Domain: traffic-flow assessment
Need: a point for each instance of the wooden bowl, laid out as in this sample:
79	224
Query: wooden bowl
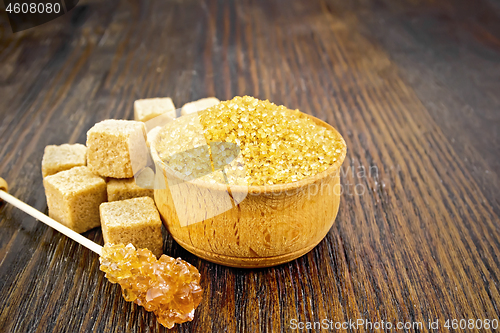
262	226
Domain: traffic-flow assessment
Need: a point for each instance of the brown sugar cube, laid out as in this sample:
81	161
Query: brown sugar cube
122	189
199	105
146	109
74	196
63	157
135	221
116	148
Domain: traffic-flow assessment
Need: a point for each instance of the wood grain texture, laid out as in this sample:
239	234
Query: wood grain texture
411	85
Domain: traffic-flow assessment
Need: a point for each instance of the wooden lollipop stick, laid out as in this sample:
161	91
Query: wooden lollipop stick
47	220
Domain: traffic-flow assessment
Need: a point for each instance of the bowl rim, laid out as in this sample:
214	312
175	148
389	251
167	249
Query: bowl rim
275	188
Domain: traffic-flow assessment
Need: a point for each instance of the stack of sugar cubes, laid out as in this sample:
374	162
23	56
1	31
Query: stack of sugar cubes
91	186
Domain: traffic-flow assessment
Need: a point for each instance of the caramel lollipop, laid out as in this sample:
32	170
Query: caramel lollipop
168	287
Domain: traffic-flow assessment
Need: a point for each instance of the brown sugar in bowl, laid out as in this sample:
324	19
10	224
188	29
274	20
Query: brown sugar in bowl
272	225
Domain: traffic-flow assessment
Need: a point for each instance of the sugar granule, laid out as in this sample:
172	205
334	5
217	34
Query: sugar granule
277	145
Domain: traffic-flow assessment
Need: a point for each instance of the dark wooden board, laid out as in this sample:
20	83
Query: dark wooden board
413	86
